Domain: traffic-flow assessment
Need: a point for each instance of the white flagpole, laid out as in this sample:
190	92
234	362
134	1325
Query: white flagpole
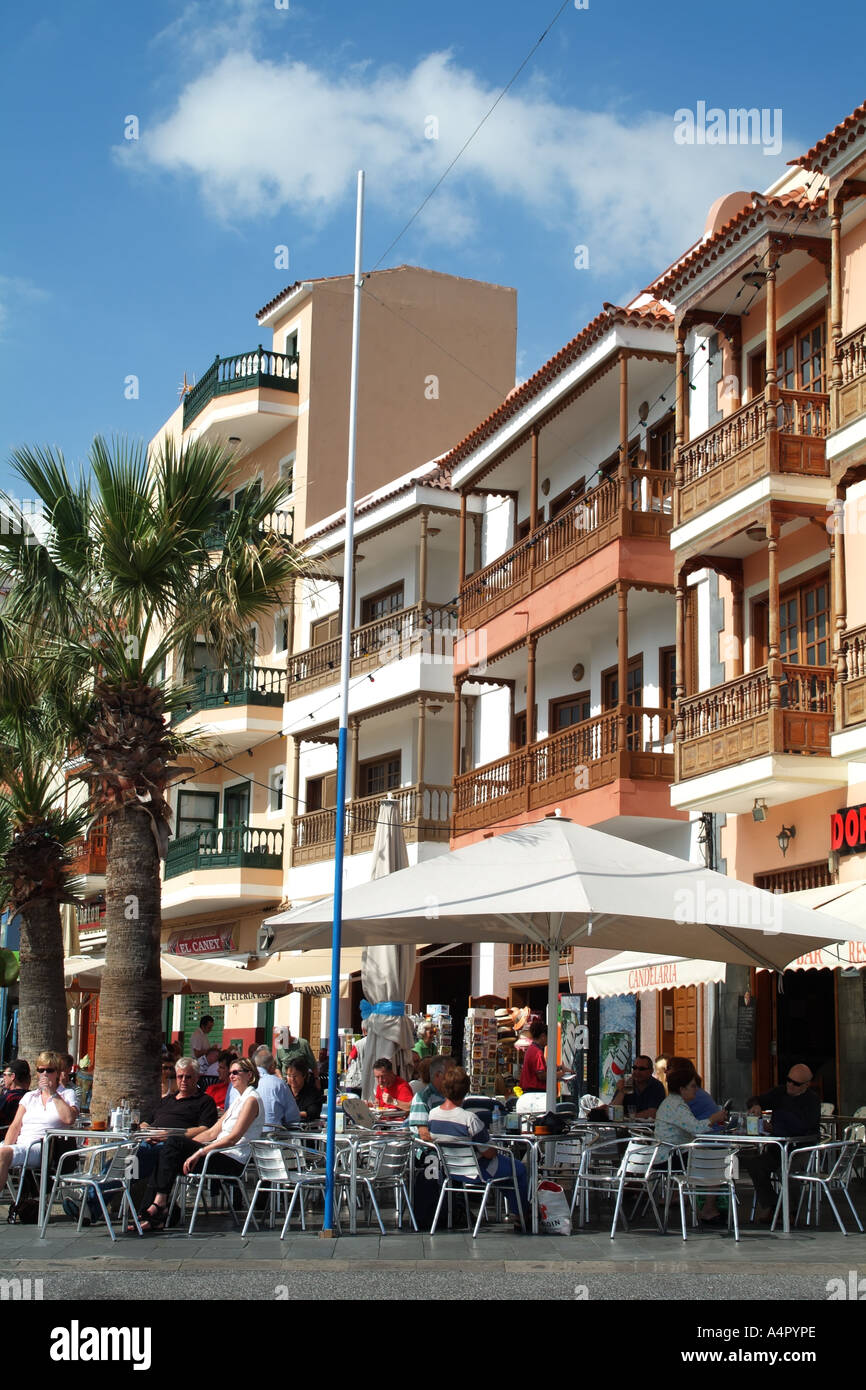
342	738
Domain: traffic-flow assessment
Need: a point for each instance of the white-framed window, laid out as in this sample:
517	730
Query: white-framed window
293	338
287	476
276	796
254	486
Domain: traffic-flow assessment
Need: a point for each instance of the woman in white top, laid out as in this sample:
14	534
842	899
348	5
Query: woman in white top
48	1107
229	1139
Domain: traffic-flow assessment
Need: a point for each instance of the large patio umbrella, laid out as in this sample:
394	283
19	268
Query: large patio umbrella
189	975
387	971
559	884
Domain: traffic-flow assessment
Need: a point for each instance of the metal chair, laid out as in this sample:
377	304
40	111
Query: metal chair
200	1179
643	1168
98	1175
827	1170
22	1170
383	1164
284	1170
464	1175
564	1163
710	1170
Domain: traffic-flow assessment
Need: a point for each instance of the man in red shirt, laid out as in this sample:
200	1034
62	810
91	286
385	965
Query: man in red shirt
533	1075
392	1092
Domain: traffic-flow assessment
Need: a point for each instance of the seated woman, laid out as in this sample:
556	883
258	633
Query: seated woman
448	1123
230	1139
48	1107
16	1084
307	1095
675	1124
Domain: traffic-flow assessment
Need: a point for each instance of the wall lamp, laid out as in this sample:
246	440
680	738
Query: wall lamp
785	836
759	810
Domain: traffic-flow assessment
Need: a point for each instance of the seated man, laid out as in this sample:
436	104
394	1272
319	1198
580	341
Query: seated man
392	1092
189	1109
646	1094
281	1108
796	1112
429	1098
220	1085
209	1066
448	1123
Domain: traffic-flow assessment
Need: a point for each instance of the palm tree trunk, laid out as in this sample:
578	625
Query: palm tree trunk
129	1039
42	1022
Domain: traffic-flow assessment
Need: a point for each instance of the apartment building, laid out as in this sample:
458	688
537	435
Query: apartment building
283	405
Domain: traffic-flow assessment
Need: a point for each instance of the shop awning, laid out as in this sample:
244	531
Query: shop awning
632	972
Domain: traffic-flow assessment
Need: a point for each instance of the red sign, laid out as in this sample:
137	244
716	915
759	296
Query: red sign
848	830
217	941
649	975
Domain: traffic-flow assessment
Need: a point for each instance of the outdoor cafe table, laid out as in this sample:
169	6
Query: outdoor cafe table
97	1136
784	1143
349	1140
534	1143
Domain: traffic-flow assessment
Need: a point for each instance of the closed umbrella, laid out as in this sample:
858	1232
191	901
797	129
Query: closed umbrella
558	884
387	971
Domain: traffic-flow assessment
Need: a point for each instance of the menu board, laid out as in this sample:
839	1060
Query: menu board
747	1017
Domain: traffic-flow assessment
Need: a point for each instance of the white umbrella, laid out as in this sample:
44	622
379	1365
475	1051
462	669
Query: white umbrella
189	975
560	884
387	971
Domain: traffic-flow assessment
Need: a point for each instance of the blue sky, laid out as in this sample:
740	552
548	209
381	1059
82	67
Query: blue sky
146	257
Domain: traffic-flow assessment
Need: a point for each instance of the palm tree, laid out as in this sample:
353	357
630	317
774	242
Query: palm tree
123	580
36	830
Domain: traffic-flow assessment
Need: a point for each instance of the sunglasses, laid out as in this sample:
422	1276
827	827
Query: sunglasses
791	1082
48	1071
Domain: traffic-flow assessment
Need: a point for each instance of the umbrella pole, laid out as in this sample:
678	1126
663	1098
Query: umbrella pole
552	1020
342	738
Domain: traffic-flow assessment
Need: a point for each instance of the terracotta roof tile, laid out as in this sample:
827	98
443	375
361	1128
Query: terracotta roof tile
761	206
822	153
437	476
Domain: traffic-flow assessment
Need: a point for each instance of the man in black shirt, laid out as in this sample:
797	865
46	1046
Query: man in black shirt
189	1110
647	1094
797	1113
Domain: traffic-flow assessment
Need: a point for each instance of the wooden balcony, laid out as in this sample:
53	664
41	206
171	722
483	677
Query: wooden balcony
235	847
88	852
735	722
602	515
850	396
243	372
425	813
851	709
752	444
528	955
422	628
90	915
575	760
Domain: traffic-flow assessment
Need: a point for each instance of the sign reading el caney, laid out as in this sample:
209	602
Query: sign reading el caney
202	943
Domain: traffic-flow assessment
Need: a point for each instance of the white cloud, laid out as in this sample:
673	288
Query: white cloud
260	136
17	294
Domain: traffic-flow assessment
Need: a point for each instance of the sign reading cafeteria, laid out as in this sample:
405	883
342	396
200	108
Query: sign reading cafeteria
202	943
848	830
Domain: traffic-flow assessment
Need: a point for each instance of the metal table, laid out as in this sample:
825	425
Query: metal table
784	1143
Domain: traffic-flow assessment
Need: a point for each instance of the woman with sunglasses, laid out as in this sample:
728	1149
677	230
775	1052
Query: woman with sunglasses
46	1108
230	1141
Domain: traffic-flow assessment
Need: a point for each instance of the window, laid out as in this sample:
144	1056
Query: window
325	629
800	361
382	604
667	675
661	445
292	343
281	631
571	709
196	811
566	498
804	623
321	792
287	477
236	805
379	775
253	490
633	696
276	794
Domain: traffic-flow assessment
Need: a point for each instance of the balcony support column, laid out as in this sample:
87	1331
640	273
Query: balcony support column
623	432
531	644
477	524
774	664
836	207
680	673
840	591
422	560
422	720
533	480
461	545
296	784
770	383
682	424
621	672
737	627
290	617
456	762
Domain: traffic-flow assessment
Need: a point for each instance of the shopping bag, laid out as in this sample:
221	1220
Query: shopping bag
554	1216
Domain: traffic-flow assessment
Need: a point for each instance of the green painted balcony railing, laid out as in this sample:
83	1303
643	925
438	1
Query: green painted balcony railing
235	847
236	685
243	372
281	524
